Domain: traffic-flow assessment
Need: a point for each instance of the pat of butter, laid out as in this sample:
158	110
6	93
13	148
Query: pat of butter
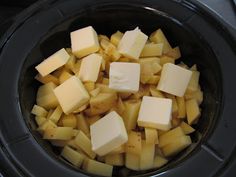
84	41
132	43
90	67
71	94
155	113
124	77
174	79
53	62
108	133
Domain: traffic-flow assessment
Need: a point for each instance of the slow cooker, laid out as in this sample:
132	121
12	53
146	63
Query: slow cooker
44	27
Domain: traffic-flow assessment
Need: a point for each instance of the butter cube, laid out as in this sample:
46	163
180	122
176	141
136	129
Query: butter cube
155	113
132	43
84	41
53	62
174	79
108	133
124	77
90	67
71	94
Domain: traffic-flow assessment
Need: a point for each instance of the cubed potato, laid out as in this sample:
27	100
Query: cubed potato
120	106
181	107
124	59
95	92
159	37
69	51
159	161
166	59
156	93
130	114
56	114
71	63
176	146
102	103
101	36
110	50
170	136
147	156
39	111
175	122
183	65
125	95
92	120
194	68
193	111
64	76
89	86
187	128
143	91
152	50
174	53
198	95
132	161
194	82
46	79
115	159
104	88
45	96
40	120
82	124
80	109
50	113
97	168
58	133
75	132
154	79
134	144
105	81
84	143
118	150
151	136
116	37
174	105
77	66
72	156
45	125
69	121
101	158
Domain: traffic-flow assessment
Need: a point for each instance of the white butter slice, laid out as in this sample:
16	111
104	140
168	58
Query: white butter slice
53	62
174	79
90	67
84	41
124	77
108	133
132	43
155	113
71	94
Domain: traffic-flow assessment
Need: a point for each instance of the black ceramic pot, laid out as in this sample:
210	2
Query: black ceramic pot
44	28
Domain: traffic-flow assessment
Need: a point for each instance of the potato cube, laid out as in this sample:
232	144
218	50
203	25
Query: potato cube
89	86
69	121
132	161
95	92
104	88
134	144
174	53
159	37
116	37
65	75
176	146
77	66
84	143
45	96
40	120
71	94
198	95
115	159
92	120
181	107
175	122
170	136
152	50
39	111
143	91
147	156
70	63
187	128
166	59
56	114
80	109
130	114
194	82
46	79
193	111
118	150
151	136
97	168
48	124
156	93
174	105
159	161
72	156
58	133
82	124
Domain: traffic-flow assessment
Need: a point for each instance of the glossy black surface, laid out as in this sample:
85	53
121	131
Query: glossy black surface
201	41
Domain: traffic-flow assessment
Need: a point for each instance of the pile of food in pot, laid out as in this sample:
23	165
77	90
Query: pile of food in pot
123	101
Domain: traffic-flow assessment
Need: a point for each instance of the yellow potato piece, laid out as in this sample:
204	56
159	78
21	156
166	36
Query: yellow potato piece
170	136
198	95
159	161
104	88
45	125
97	168
70	65
174	105
69	121
130	114
39	111
56	114
46	79
194	82
151	136
84	143
175	122
156	93
116	37
187	128
95	92
72	156
176	146
134	144
118	150
147	156
58	133
92	120
89	86
193	111
159	37
40	120
152	50
101	36
181	107
132	161
174	53
80	109
105	81
166	59
82	124
77	67
64	76
115	159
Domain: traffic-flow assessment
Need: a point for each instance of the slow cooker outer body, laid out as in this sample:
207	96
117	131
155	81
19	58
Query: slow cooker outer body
23	150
